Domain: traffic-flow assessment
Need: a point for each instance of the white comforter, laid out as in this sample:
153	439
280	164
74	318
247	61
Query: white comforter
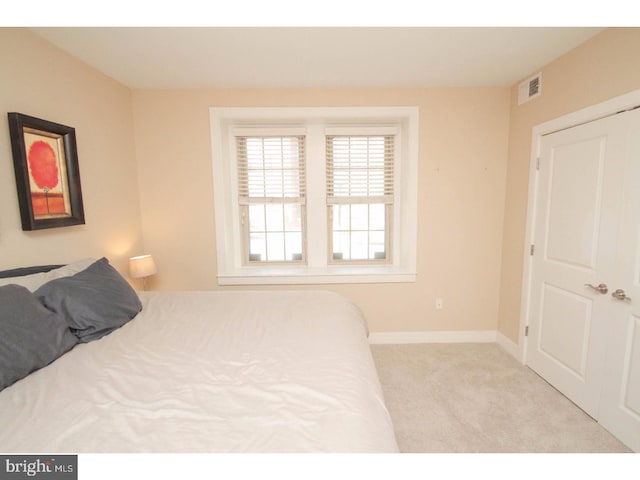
209	372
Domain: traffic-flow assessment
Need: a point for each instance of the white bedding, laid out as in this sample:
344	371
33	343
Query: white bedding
209	372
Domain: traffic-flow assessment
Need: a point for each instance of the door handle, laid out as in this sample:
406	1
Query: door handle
602	288
620	295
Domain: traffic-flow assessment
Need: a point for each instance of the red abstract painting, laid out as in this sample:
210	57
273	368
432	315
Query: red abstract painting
43	166
45	161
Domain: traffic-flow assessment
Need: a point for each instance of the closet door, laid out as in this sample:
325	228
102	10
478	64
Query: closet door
620	402
579	193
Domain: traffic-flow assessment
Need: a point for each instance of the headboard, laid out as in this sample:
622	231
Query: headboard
21	272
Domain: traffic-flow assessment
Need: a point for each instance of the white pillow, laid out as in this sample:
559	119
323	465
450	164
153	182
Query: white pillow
36	280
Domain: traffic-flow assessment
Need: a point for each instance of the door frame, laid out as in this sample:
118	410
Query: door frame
585	115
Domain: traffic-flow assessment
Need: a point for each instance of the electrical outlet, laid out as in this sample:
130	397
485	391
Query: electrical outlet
439	304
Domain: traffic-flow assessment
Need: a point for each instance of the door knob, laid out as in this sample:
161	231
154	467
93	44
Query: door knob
620	295
602	288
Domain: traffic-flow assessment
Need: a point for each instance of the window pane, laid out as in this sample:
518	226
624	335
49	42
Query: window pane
362	162
257	247
340	147
290	153
254	153
274	214
376	216
376	245
341	217
341	183
291	182
376	152
376	182
293	245
275	232
256	218
292	218
273	183
358	184
271	167
359	245
275	247
358	231
360	216
341	246
255	180
273	152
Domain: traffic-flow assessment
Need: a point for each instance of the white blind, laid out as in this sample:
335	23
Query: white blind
359	168
271	169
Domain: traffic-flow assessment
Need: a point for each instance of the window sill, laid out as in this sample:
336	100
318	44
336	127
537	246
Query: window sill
316	276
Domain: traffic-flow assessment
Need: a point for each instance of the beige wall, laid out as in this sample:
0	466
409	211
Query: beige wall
602	68
471	223
463	151
39	80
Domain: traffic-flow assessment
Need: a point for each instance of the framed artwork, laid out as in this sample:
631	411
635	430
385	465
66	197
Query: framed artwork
45	160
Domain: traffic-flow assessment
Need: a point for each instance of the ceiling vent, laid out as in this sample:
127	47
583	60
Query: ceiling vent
530	88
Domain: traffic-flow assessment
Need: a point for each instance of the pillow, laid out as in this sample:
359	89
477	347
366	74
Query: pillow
30	335
21	272
34	281
94	302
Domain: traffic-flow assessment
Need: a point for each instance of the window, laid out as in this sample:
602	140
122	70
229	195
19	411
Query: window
315	195
271	195
360	196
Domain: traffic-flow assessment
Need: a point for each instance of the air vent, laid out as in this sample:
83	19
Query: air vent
530	88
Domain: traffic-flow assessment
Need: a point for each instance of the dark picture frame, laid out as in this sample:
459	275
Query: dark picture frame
45	161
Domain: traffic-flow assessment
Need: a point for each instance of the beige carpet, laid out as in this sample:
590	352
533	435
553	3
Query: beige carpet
477	398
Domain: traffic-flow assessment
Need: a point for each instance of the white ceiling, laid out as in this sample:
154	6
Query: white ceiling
272	57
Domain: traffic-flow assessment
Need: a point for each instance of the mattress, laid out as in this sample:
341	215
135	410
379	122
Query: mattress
239	371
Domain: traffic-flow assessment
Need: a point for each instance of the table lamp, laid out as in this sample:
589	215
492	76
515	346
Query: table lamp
142	266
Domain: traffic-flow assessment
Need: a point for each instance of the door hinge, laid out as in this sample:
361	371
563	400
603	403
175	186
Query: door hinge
526	331
537	163
532	249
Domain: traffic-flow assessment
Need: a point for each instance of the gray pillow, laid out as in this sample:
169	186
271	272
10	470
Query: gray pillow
36	280
94	302
30	335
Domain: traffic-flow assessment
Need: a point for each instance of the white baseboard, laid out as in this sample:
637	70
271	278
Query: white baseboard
467	336
509	346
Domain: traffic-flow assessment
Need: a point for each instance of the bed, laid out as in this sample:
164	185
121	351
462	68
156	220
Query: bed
232	371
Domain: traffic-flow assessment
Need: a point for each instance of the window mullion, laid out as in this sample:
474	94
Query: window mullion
317	216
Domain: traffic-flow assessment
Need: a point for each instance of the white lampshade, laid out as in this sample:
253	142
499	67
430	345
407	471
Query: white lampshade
142	266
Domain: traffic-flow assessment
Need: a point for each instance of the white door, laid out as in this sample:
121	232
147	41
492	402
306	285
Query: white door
575	233
620	403
584	314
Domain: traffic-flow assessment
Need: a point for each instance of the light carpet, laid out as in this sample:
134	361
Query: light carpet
477	398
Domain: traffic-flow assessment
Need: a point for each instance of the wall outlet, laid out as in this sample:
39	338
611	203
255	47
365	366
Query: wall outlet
439	304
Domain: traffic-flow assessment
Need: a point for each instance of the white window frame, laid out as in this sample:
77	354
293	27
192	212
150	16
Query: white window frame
316	121
391	213
301	200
